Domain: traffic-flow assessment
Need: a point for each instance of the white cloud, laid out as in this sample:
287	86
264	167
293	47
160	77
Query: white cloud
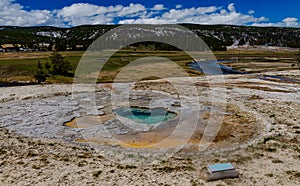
251	12
155	20
84	13
12	13
287	22
223	12
231	7
158	7
183	14
81	10
227	18
291	22
178	6
132	10
201	15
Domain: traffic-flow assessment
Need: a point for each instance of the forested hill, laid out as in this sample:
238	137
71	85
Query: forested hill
216	36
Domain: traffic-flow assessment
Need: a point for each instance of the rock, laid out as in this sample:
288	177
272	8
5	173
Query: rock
92	113
176	104
218	172
101	113
100	107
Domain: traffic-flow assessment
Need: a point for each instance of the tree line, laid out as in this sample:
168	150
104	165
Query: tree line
57	65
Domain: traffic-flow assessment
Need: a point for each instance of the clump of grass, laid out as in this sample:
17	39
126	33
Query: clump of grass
126	167
296	127
171	169
20	163
100	157
31	154
216	161
297	149
84	155
270	175
277	161
241	159
39	142
64	159
293	173
272	115
270	149
258	155
189	159
164	169
96	174
82	163
195	183
2	151
112	171
44	159
297	175
266	139
290	172
74	148
20	139
163	161
36	167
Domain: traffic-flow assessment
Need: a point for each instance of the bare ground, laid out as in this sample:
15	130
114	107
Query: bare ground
270	158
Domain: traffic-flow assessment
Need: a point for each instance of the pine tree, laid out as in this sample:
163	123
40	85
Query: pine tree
59	65
40	74
48	66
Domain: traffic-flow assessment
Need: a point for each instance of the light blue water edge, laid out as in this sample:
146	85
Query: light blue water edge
148	116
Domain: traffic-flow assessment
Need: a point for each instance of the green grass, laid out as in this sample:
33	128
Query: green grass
19	67
23	69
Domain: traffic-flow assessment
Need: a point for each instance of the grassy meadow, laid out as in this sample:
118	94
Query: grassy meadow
22	66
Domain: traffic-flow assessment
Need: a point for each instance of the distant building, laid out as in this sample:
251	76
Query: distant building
74	47
79	46
43	46
11	47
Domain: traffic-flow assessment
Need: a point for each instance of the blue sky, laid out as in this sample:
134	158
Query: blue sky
67	13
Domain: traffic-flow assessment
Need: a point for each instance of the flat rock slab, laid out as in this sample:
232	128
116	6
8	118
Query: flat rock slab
220	167
219	171
223	175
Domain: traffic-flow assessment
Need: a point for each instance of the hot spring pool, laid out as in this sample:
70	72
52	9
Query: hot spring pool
149	116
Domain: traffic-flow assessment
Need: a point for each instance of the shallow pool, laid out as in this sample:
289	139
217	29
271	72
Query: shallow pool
149	116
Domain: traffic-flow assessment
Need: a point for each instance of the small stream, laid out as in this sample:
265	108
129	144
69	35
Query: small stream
212	67
279	78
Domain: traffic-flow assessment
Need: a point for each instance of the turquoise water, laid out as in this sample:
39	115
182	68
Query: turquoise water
146	116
